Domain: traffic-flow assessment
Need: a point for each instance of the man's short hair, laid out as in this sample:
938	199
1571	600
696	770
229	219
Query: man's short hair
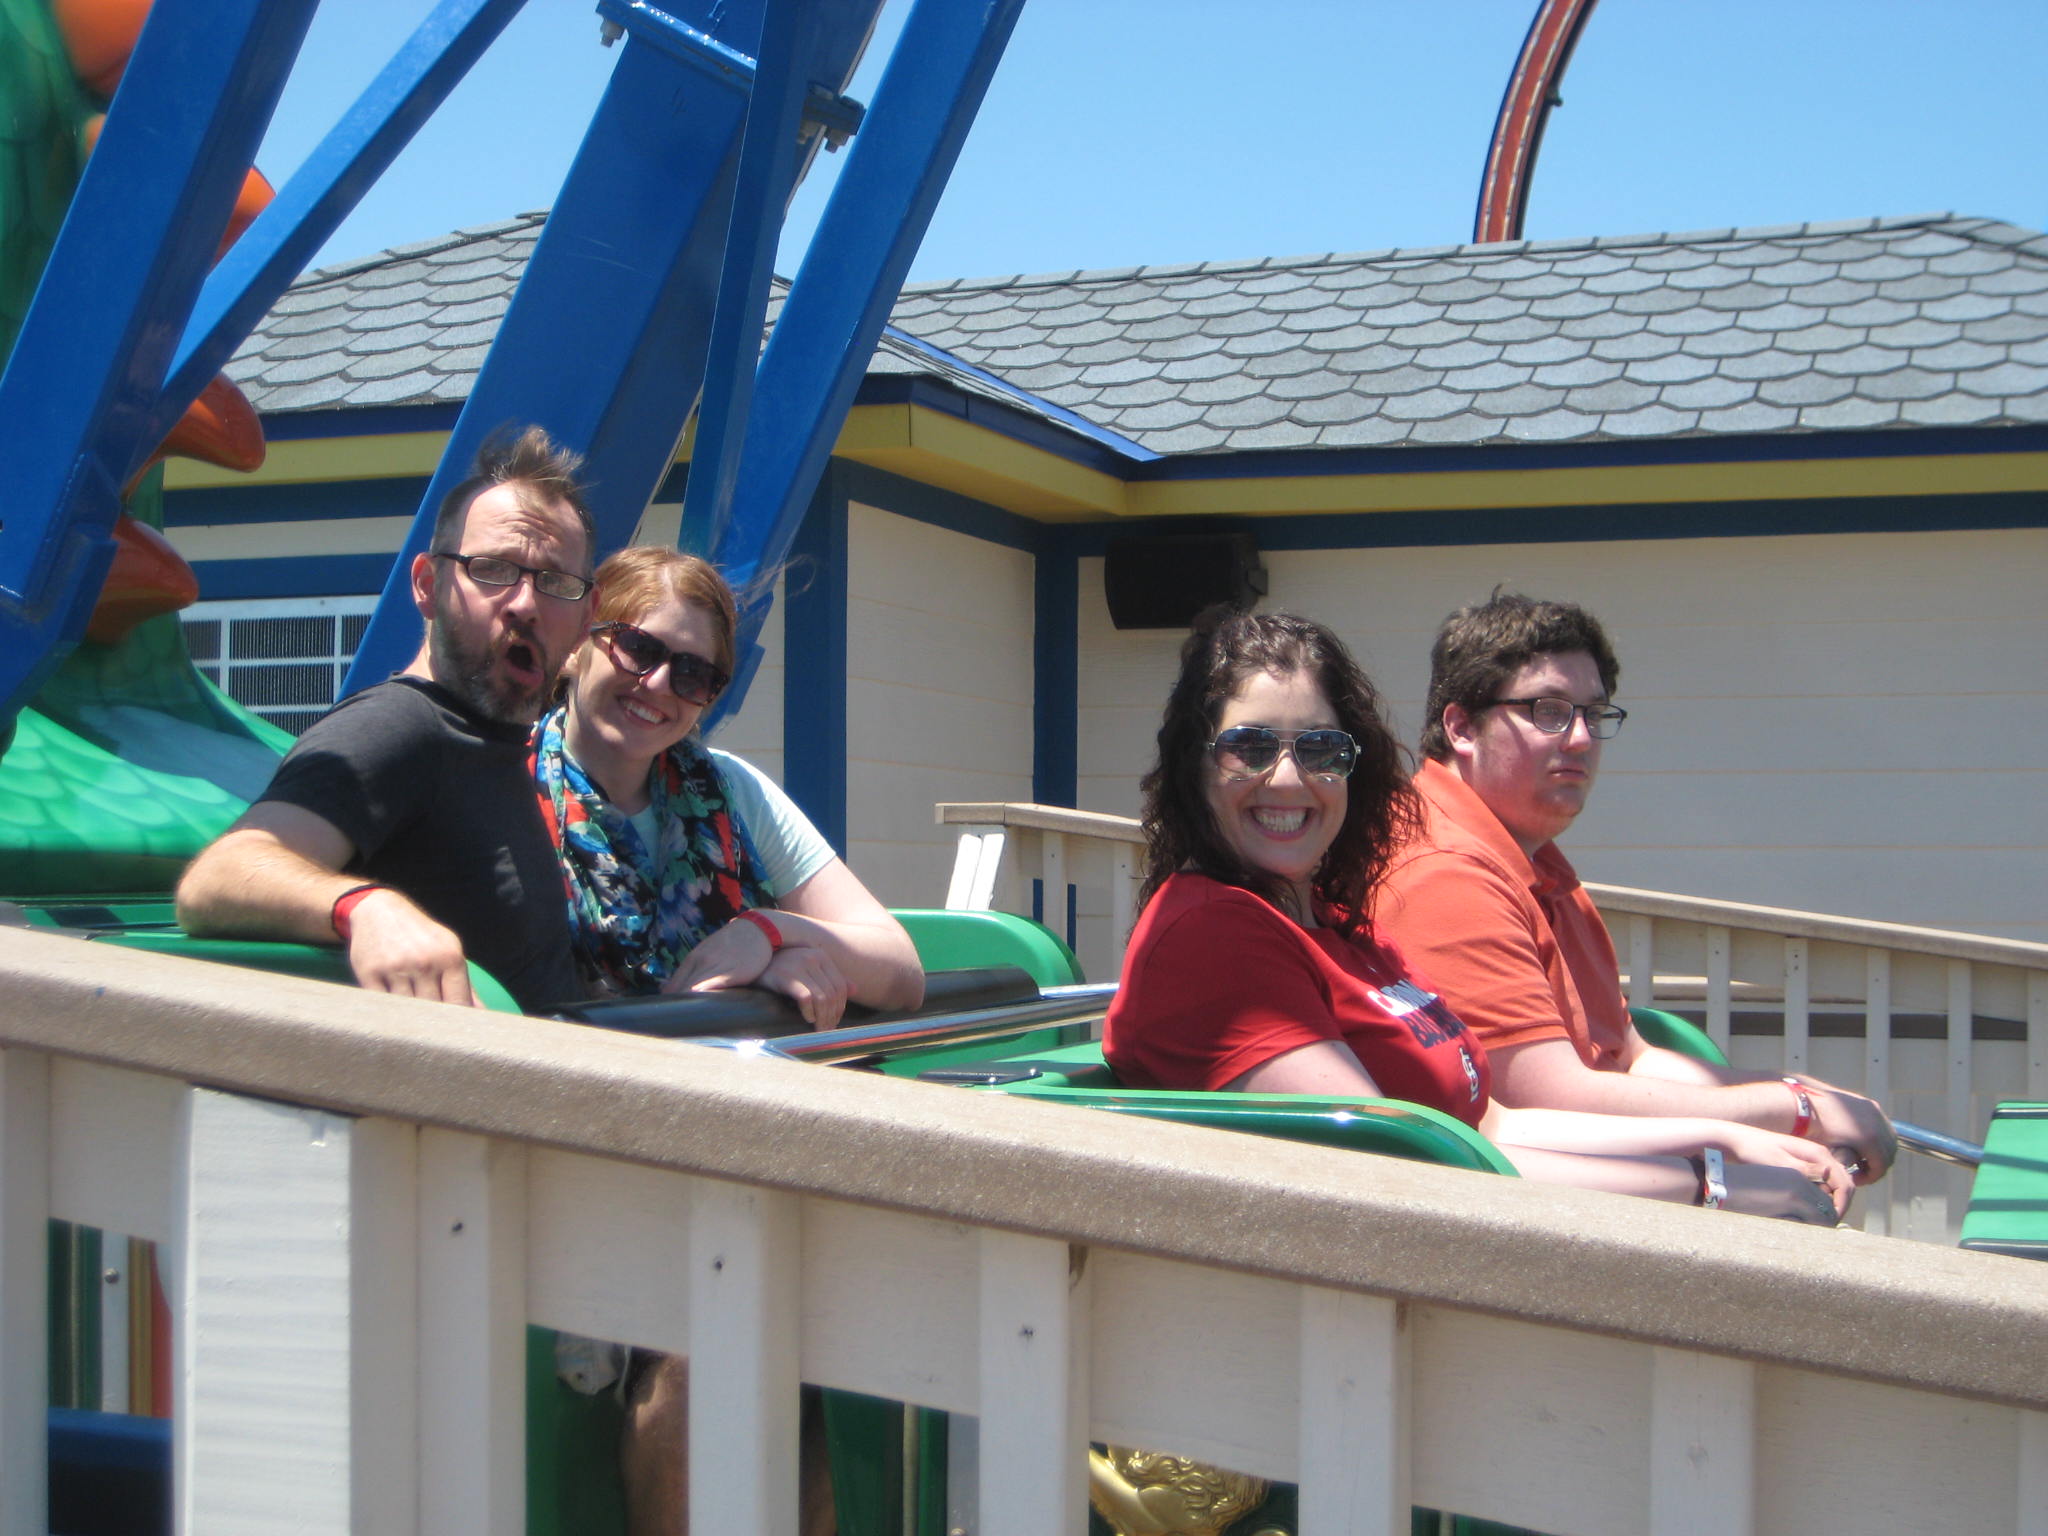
541	470
1479	648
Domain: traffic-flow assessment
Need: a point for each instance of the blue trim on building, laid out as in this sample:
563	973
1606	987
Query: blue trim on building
398	496
939	508
358	421
814	662
292	576
1055	674
1494	458
1585	525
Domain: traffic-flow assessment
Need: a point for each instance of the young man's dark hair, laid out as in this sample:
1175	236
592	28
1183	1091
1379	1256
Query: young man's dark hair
1480	647
543	471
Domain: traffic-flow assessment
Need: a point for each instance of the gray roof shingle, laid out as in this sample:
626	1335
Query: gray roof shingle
1936	320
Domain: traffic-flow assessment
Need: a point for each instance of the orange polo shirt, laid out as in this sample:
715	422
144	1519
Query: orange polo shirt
1513	944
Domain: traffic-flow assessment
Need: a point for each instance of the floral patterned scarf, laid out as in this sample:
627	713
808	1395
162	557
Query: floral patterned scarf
637	911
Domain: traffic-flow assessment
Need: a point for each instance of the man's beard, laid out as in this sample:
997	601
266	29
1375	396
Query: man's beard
472	673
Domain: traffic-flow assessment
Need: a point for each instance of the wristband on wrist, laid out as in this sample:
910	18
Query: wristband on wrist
1802	1117
767	925
1713	1178
344	908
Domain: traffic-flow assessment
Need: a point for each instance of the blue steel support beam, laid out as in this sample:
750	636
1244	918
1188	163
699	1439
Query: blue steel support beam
274	249
90	361
767	171
605	341
850	276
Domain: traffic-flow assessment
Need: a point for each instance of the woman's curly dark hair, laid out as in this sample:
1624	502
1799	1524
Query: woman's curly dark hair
1180	828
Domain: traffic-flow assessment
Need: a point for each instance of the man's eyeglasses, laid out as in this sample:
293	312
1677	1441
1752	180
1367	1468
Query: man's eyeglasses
1252	751
1554	716
693	679
490	571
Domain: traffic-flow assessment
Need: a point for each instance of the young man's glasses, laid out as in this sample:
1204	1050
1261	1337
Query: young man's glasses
1252	751
693	679
1554	716
490	571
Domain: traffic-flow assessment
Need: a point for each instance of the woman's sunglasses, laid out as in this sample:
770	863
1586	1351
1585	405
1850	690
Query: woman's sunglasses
693	679
1251	751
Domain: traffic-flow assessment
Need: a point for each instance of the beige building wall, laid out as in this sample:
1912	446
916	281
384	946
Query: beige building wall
1842	723
938	693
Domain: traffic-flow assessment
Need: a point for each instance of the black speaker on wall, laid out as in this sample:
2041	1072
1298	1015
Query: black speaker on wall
1161	581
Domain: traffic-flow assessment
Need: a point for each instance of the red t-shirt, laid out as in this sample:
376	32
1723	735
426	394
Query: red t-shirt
1218	981
1515	943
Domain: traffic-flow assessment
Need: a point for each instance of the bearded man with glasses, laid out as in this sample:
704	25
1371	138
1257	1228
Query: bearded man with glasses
403	823
1481	900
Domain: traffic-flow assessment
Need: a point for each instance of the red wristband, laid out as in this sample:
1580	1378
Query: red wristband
1802	1119
345	905
762	921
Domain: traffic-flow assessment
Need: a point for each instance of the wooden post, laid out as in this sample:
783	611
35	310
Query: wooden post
1354	1416
260	1292
1702	1444
1034	1442
746	1251
472	1335
24	1326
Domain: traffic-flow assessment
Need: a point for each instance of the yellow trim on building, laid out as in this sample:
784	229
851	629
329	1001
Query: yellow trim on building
938	449
319	460
942	450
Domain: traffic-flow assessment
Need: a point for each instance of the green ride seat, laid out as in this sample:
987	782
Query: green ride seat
950	940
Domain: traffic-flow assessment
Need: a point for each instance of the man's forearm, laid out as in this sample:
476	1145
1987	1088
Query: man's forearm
249	885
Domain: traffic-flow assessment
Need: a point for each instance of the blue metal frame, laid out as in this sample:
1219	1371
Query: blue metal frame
311	206
877	214
607	341
87	369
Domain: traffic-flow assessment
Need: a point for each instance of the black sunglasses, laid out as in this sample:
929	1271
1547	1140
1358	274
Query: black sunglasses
1248	751
692	679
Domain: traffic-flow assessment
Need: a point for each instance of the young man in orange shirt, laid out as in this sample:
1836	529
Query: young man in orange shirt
1484	904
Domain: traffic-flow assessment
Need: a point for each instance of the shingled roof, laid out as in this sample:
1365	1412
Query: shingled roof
1881	323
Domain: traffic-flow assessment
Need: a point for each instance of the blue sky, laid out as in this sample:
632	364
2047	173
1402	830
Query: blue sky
1123	132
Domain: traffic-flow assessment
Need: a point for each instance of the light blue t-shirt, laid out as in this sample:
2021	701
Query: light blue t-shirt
791	849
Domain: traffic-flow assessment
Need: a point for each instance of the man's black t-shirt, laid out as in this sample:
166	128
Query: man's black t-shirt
440	806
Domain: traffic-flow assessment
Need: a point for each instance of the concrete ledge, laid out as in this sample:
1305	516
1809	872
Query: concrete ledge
1906	1314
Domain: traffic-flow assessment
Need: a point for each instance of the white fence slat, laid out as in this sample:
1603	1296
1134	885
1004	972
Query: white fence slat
2037	1036
1354	1416
1160	1383
1642	963
117	1278
384	1295
1702	1440
1123	900
1052	883
111	1157
891	1305
2033	1480
1885	1206
472	1335
260	1302
24	1276
975	862
1033	1442
579	1207
746	1249
1720	972
1960	1117
1798	1004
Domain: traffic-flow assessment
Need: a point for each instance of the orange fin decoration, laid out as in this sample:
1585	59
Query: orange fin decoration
255	196
220	427
147	578
98	36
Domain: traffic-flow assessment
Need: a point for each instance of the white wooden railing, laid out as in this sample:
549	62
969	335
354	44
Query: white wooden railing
1939	1027
361	1201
